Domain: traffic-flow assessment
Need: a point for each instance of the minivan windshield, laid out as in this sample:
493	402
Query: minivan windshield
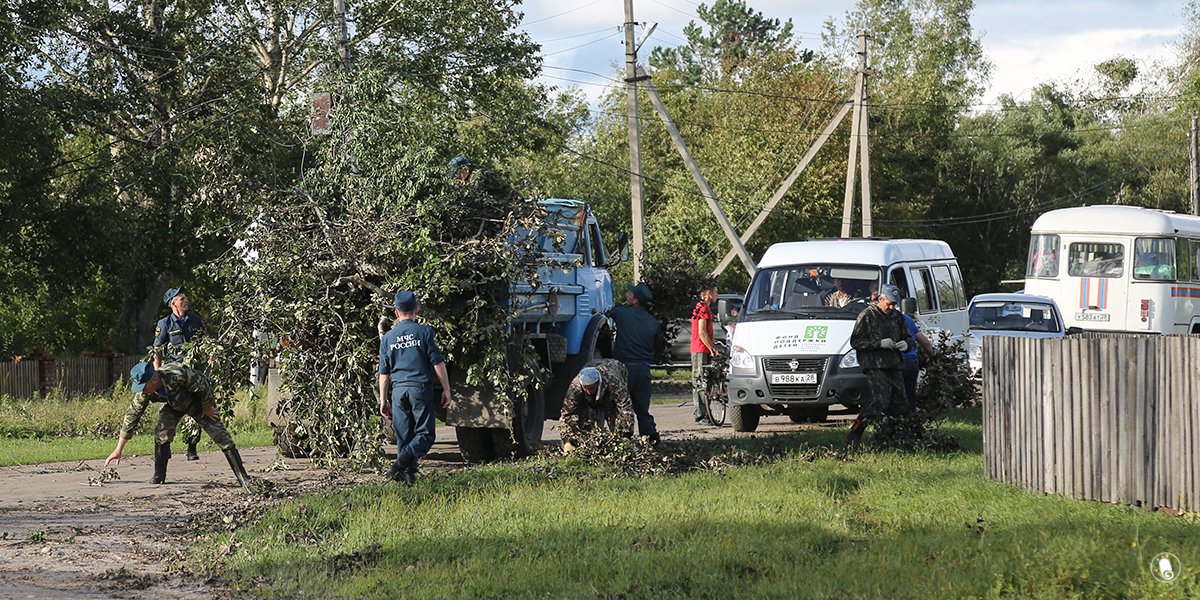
811	291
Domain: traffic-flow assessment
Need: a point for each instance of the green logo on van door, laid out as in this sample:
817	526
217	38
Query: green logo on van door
816	332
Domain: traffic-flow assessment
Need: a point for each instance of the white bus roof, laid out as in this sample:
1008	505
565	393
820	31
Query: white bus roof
1116	220
854	251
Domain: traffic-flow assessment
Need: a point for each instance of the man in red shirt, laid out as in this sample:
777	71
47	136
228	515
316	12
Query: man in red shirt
703	349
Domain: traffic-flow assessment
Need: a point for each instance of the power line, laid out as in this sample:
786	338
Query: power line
599	39
578	35
565	12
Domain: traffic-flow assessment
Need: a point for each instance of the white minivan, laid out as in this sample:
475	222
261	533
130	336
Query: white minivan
791	350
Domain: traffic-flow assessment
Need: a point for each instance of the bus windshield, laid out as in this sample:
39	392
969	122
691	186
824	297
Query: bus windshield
811	291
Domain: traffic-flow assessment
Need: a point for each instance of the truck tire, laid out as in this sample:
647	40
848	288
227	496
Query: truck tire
288	443
475	443
744	417
528	422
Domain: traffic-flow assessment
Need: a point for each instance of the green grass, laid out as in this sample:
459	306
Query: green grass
812	525
85	428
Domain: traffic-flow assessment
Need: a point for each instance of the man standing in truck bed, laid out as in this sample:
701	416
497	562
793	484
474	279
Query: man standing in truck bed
638	336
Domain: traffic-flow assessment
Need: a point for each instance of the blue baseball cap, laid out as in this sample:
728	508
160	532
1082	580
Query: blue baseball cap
140	375
459	162
642	292
406	301
890	292
170	295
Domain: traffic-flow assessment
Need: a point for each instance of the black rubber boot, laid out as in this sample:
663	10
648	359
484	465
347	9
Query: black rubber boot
403	470
162	453
854	436
239	470
191	448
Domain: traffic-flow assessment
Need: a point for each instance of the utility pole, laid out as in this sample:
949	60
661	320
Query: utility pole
343	36
635	145
694	169
857	135
1194	156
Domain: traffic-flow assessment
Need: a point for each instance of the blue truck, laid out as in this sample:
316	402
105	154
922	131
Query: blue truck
559	314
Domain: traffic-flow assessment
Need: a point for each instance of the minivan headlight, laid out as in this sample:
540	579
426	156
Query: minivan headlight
849	361
742	362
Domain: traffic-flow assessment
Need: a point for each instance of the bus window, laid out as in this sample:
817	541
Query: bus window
1154	259
1183	263
922	290
958	286
947	299
1043	256
1096	259
1195	260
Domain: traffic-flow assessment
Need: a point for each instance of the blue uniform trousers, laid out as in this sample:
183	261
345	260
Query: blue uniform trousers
414	421
639	394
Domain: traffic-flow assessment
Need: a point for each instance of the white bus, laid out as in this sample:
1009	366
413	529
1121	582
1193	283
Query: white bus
1118	268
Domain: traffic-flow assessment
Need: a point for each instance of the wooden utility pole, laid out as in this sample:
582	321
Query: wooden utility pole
705	189
857	135
785	186
635	145
1194	156
343	36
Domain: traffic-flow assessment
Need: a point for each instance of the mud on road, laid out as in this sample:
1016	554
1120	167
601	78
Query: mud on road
71	530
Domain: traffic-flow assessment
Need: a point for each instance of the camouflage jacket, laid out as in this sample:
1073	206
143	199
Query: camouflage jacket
184	389
580	411
872	326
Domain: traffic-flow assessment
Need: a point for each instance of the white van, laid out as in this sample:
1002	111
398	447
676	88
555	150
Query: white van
791	350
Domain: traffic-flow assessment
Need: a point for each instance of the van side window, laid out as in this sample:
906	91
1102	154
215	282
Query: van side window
1183	264
947	299
1195	260
923	290
958	286
897	278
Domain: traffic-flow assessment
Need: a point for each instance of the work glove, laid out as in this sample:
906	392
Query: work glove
902	346
887	344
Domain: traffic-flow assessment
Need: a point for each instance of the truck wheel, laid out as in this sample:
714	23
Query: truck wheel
744	417
528	422
288	443
475	443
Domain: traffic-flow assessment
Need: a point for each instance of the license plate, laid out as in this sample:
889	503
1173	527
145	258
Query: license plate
794	378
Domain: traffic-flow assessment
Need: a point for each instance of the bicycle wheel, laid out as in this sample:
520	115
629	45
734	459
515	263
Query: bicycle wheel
718	400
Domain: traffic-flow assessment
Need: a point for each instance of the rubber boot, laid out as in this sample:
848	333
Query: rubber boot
239	470
403	470
191	448
854	436
162	453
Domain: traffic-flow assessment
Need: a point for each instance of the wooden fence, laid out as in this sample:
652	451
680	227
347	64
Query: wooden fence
1108	418
70	376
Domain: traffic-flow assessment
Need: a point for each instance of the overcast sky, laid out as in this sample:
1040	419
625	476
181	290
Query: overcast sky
1027	41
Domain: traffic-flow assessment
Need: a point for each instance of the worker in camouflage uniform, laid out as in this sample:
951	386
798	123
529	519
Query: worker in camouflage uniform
171	336
598	395
880	336
183	391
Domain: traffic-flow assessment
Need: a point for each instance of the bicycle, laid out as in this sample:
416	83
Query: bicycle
716	393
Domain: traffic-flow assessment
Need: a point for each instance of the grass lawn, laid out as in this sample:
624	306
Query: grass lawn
85	428
812	524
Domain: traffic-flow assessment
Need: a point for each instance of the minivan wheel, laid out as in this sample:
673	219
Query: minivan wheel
744	417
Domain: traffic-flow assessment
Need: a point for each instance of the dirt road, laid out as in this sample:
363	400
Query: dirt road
66	532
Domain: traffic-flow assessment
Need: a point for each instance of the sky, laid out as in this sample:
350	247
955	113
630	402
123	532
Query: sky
1027	41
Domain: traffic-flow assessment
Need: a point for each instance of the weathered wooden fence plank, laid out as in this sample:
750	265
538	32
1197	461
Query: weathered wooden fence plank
1108	418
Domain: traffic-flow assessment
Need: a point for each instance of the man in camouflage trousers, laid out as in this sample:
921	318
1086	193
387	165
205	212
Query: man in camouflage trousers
598	395
879	336
183	391
172	335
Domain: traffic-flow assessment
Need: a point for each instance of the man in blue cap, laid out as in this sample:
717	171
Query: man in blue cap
639	335
879	337
171	335
409	360
182	391
461	167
